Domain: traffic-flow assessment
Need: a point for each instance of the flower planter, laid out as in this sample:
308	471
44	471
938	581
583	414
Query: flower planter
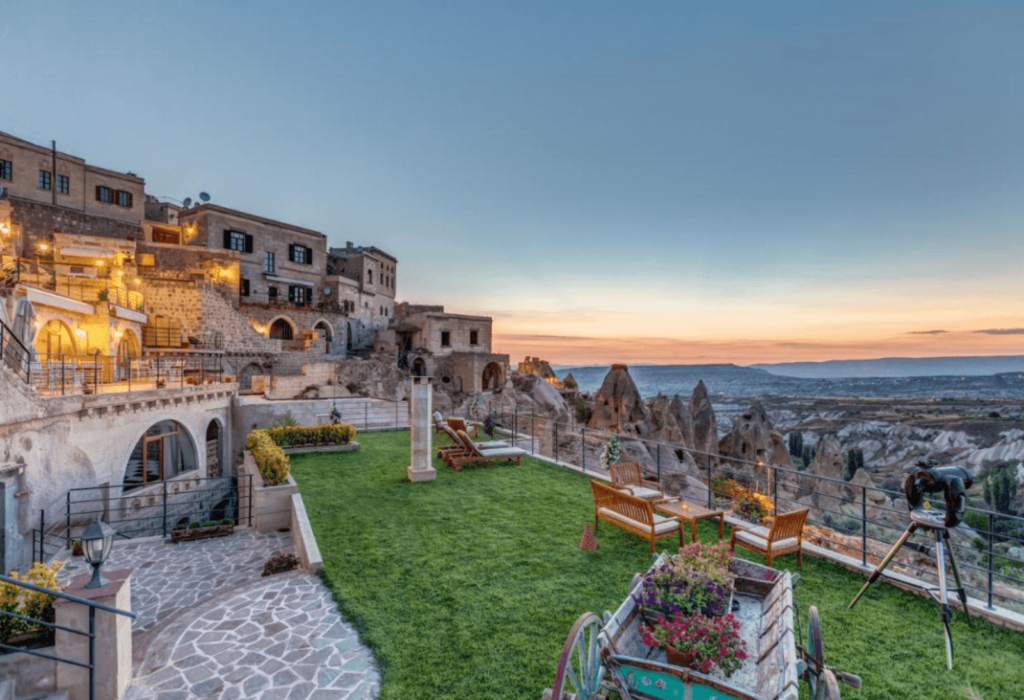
682	659
651	616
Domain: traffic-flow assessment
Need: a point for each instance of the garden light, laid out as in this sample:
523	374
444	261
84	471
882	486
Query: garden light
97	540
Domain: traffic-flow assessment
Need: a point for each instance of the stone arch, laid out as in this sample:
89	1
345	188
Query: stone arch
282	328
214	447
348	335
419	367
322	324
55	338
187	432
246	374
493	376
128	347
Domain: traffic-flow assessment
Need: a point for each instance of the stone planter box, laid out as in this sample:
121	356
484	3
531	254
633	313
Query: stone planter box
271	505
304	449
202	533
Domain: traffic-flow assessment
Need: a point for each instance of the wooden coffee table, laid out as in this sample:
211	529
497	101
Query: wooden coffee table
691	513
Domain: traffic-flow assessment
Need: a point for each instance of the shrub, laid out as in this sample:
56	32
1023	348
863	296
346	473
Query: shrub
280	563
209	523
270	458
29	603
327	434
287	420
227	521
194	525
752	504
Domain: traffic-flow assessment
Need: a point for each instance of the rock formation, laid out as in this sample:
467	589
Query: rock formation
618	406
705	428
670	421
753	439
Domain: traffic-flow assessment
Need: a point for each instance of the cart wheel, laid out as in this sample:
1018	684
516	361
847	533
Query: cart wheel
816	652
829	686
580	672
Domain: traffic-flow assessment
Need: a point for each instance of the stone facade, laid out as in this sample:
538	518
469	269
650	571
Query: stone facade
35	223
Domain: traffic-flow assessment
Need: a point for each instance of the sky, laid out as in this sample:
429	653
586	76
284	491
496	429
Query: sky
638	182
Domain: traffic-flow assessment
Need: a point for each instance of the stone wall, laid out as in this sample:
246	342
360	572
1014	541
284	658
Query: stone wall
302	320
38	222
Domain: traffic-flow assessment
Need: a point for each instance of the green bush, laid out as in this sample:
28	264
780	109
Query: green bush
193	525
227	521
327	434
270	458
210	523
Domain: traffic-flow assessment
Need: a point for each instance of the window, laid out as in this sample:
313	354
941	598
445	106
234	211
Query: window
124	199
63	184
369	276
44	179
166	237
300	254
446	339
104	194
237	240
474	337
268	261
272	292
300	296
244	291
6	170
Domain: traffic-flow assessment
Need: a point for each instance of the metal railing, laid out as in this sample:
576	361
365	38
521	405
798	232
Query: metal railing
90	635
14	353
63	374
175	337
318	301
145	510
371	414
86	289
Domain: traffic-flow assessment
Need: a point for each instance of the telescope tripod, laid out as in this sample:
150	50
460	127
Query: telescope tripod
941	543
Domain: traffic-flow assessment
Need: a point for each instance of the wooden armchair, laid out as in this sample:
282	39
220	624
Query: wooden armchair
785	537
632	514
628	477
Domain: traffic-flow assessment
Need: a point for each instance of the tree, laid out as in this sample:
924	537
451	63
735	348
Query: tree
796	444
1000	488
611	452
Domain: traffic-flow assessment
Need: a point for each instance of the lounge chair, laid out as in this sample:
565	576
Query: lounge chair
457	448
439	422
785	537
474	454
628	477
458	424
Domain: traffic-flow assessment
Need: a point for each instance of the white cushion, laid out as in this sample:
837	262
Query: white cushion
503	452
762	543
492	445
662	525
642	492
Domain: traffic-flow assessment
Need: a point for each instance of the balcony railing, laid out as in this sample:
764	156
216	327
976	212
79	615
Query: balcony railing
90	290
318	302
60	374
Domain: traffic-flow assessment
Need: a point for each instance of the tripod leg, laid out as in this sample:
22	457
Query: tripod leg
960	590
885	562
943	600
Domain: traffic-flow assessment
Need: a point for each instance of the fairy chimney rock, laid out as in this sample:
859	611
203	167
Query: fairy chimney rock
753	439
705	427
618	406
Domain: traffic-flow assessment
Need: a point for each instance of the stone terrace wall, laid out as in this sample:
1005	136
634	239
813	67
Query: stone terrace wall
38	222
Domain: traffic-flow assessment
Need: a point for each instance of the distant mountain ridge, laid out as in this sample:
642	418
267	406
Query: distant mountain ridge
898	367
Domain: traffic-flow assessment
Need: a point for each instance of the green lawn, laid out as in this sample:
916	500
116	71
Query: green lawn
467	586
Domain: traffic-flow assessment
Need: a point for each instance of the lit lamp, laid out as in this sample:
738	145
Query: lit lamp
97	540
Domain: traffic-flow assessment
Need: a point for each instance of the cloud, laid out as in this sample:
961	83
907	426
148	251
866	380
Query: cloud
1002	331
935	332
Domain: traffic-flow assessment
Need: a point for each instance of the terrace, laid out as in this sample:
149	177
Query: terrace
468	586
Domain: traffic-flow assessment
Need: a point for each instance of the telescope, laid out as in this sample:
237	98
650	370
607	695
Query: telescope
952	483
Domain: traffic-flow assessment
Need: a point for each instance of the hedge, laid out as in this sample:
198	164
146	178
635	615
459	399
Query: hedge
327	434
271	459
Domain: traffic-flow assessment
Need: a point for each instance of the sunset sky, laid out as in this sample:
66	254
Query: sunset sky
652	182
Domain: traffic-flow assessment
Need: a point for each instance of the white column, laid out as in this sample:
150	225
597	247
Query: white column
421	467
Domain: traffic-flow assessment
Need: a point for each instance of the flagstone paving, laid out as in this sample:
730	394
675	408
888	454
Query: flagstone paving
210	626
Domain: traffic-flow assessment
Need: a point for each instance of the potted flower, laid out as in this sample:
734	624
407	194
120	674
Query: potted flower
705	644
696	582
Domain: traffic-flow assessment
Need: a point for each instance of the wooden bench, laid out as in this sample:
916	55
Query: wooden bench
632	514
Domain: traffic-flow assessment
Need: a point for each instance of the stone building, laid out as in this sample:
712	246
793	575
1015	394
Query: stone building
366	281
453	348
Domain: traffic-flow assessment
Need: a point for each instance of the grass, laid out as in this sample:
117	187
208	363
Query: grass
467	586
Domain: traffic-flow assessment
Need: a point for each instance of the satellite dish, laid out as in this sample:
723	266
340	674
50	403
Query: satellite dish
327	290
203	196
187	202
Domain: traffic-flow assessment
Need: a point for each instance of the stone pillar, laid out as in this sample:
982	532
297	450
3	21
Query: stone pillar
422	466
113	637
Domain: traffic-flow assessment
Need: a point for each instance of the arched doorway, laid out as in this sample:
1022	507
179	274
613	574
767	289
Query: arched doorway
281	329
53	340
246	375
326	332
163	452
419	367
494	376
348	336
214	449
127	348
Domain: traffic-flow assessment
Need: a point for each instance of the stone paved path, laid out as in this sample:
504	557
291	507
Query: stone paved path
210	626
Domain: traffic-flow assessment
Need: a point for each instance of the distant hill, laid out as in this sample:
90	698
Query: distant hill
898	367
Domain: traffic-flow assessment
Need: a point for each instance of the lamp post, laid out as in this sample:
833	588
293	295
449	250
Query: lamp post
97	540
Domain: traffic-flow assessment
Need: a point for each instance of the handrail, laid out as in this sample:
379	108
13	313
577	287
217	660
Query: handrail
23	359
67	596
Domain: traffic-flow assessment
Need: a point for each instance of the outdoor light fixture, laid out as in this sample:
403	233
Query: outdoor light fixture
97	540
5	229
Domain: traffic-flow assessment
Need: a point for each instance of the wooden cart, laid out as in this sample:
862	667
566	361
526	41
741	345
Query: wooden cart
607	655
